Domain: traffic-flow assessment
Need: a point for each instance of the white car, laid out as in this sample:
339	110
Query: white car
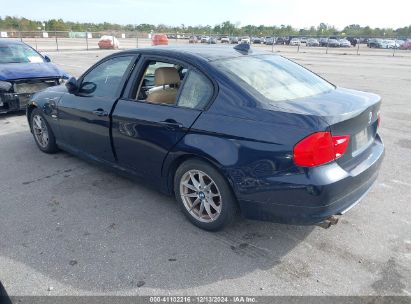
246	40
225	39
295	41
344	43
388	44
205	39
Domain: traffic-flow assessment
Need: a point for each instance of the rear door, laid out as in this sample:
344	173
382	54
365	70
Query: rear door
143	131
84	118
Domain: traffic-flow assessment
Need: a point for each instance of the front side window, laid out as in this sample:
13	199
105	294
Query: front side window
105	79
274	77
19	53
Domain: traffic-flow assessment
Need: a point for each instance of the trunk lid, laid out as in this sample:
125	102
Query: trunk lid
346	112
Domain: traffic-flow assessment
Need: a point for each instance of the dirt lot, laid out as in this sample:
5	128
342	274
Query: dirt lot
68	227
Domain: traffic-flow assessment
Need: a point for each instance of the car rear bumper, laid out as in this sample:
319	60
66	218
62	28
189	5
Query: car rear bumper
316	195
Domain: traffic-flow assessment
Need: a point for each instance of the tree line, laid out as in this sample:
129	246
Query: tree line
9	23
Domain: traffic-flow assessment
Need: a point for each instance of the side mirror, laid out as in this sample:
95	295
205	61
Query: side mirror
87	88
72	85
47	58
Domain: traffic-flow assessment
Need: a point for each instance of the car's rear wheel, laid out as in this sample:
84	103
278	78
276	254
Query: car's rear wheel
204	195
42	133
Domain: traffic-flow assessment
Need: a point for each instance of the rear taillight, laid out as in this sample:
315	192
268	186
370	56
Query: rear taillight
319	148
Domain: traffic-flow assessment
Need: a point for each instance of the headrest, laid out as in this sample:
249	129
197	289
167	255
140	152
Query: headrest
166	75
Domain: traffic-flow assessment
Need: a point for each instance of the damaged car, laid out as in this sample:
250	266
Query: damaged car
23	71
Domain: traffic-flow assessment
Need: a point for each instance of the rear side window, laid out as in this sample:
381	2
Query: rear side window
274	77
196	92
105	79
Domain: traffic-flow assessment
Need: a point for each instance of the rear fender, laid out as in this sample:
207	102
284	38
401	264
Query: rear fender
245	164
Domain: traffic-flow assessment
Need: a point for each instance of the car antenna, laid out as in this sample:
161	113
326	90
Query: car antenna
243	48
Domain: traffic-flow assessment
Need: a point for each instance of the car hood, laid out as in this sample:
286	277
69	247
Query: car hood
13	71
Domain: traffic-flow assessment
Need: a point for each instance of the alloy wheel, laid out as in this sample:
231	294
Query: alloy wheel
40	131
201	196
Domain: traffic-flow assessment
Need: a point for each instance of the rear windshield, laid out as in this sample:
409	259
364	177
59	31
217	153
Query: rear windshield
274	77
19	53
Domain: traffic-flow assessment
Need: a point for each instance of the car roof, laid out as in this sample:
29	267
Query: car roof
205	52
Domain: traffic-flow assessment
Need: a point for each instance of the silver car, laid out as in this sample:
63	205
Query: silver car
312	42
344	43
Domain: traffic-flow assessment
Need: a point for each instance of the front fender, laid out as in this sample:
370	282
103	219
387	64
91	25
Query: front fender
47	102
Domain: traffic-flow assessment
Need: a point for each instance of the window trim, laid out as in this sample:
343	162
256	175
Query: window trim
137	74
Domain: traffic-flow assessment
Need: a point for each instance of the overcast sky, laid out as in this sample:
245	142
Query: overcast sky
298	13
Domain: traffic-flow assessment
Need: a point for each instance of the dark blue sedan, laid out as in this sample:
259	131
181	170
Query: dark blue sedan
223	129
23	71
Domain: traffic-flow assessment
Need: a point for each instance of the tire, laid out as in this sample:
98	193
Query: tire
217	198
39	126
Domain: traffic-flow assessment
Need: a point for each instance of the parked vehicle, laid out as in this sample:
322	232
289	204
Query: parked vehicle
233	40
312	42
353	40
159	39
363	40
23	71
344	43
281	40
406	45
257	40
390	44
374	43
108	42
269	40
387	44
213	40
295	41
303	40
193	39
331	42
323	41
245	40
398	43
205	39
225	39
252	131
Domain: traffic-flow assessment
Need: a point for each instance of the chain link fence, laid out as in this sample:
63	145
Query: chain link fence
44	41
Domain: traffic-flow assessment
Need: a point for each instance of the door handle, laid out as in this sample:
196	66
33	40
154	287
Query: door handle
171	124
100	112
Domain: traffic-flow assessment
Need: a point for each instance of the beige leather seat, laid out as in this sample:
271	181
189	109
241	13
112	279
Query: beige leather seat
163	78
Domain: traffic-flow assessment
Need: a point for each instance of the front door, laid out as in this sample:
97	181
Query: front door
166	102
84	117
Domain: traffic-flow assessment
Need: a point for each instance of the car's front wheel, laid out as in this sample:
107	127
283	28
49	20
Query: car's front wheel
204	195
42	133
